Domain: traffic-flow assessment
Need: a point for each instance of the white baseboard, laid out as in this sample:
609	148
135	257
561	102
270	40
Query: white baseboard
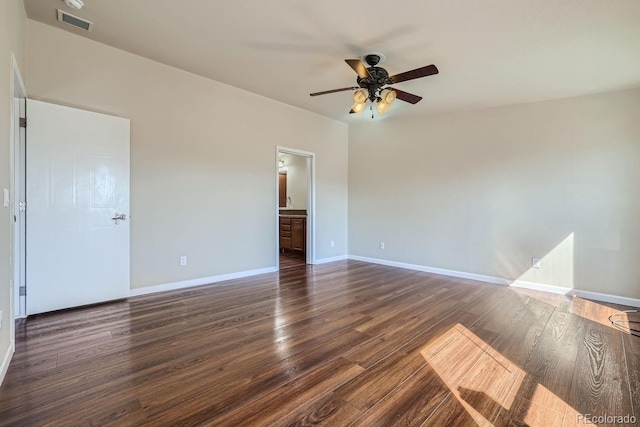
597	296
331	259
199	282
633	302
444	272
6	360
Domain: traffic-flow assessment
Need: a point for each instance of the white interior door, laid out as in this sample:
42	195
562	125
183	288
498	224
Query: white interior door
77	182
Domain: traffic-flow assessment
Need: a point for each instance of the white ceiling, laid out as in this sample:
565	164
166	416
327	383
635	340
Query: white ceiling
489	52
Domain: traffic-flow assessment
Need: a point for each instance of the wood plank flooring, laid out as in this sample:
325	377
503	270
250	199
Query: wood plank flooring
290	259
345	343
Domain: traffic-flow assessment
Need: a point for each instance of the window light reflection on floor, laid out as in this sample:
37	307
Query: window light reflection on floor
486	383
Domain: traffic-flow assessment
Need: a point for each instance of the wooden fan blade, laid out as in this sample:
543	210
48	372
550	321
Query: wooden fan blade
334	90
428	70
358	67
407	97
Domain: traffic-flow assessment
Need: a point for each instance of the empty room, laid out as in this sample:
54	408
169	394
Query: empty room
319	213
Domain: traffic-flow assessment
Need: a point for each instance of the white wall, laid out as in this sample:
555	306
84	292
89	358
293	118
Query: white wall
485	191
202	157
12	40
296	167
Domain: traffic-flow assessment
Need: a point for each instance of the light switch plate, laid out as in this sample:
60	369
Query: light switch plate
6	197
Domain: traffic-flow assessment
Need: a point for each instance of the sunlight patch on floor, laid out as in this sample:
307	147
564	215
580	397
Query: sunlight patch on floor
486	383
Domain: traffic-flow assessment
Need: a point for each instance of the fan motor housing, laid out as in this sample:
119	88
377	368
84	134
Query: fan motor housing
372	59
379	78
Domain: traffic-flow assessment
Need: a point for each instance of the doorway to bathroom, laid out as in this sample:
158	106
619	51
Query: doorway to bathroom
295	208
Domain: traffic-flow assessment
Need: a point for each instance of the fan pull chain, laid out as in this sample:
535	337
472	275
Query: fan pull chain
371	108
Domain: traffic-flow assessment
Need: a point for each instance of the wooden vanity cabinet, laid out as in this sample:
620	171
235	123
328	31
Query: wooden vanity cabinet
293	233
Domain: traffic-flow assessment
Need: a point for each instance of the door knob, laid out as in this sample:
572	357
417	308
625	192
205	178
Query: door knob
120	217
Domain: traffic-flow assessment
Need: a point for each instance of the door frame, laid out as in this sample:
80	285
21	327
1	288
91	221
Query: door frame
17	178
311	202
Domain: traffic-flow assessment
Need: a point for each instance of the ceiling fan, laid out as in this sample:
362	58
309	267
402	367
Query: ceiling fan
372	82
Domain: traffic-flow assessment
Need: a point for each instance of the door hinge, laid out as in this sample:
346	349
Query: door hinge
23	290
22	206
23	122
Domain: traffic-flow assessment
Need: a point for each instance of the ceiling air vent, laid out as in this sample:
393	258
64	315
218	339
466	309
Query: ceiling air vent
74	20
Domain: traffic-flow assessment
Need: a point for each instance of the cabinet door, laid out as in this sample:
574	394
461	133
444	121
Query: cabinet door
298	234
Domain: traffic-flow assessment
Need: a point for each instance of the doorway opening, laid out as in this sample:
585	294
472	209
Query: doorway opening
295	207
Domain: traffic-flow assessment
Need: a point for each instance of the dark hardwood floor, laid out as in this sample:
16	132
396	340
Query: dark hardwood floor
290	259
345	343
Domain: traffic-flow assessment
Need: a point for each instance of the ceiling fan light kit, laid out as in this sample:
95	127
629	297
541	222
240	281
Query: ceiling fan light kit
373	81
388	96
382	107
358	107
360	96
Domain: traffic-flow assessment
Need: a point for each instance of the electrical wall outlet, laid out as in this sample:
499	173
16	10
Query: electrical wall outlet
333	243
0	319
381	245
535	262
183	260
